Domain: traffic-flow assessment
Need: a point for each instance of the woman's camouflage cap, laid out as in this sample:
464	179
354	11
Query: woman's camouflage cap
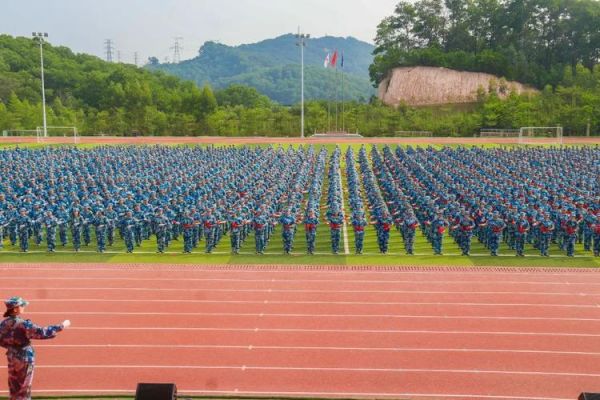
15	302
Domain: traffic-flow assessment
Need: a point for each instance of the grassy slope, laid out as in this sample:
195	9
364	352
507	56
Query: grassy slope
424	257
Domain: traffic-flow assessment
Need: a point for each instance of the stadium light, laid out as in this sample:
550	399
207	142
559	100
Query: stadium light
40	37
301	42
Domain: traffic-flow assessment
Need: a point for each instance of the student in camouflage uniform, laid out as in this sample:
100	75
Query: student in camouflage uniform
335	219
571	227
76	226
24	227
310	226
87	221
358	225
409	227
522	227
100	223
188	226
15	336
63	224
3	224
51	223
128	229
596	234
161	228
288	224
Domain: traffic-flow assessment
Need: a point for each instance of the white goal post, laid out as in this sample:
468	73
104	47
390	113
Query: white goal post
541	135
54	131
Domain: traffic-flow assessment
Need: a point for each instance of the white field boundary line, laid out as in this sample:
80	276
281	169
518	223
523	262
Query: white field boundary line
225	253
345	225
290	269
301	394
318	348
273	280
311	316
217	290
387	303
340	331
321	369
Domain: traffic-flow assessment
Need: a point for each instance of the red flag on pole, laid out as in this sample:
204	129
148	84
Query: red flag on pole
333	61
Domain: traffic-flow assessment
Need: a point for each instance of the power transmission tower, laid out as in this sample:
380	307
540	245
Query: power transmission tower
109	49
177	47
135	58
119	56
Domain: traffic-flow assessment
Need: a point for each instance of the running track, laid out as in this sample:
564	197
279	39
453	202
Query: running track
422	333
190	140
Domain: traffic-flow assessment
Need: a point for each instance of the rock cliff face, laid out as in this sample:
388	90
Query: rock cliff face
429	86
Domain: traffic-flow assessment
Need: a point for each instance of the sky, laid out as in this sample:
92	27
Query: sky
149	27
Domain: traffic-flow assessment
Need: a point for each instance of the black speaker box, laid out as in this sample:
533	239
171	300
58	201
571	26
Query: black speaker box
156	391
589	396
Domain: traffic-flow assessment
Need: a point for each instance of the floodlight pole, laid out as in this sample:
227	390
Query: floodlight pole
301	42
40	36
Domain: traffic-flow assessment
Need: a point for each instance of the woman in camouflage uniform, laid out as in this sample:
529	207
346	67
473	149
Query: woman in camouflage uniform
15	336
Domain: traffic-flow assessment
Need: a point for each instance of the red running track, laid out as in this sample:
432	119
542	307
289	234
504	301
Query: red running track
432	333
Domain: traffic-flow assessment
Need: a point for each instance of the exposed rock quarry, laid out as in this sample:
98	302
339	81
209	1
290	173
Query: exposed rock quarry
429	86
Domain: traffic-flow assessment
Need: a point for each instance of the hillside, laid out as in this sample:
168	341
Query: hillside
115	99
272	67
417	86
532	42
95	96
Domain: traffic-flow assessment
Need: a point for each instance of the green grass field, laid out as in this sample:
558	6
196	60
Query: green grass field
423	251
274	255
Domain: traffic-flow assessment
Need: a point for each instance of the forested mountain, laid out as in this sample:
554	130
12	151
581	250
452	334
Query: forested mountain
530	41
115	99
95	96
273	67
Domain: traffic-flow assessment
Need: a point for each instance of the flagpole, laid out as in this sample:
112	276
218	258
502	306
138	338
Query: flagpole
329	107
301	42
327	64
334	60
343	98
302	84
337	98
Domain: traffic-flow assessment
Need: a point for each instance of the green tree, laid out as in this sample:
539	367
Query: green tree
240	95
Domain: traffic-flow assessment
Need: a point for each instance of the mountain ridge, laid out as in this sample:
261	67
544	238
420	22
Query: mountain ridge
272	66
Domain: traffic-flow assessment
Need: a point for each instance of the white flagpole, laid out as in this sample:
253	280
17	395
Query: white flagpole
301	42
302	84
329	98
343	97
337	98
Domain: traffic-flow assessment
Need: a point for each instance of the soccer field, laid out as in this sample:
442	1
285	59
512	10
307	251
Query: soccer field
146	253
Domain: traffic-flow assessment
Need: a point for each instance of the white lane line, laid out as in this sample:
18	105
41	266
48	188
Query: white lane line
183	391
284	302
277	315
358	281
322	369
300	330
300	269
324	291
319	348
